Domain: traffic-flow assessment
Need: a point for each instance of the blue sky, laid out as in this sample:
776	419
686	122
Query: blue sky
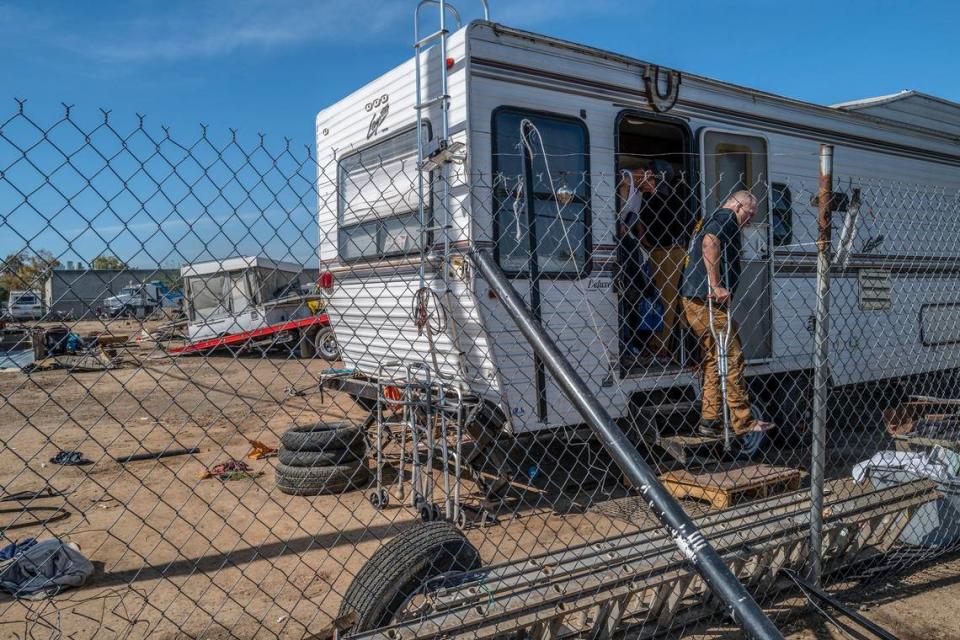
269	65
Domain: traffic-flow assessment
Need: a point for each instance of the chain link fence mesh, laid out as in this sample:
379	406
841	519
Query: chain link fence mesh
270	395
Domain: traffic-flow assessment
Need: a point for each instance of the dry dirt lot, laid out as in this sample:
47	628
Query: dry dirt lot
177	556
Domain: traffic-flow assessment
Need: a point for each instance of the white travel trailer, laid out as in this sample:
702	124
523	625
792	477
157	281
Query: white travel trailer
594	110
252	301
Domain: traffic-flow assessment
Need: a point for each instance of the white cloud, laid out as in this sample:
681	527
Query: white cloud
183	30
212	28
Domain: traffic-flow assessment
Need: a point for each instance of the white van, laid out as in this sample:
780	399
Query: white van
25	305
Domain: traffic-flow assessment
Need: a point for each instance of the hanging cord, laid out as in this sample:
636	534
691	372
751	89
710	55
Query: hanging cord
527	127
428	311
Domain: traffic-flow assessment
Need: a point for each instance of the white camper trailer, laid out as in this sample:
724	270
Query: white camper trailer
252	301
429	163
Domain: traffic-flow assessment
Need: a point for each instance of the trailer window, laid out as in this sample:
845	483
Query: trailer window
781	214
276	284
379	199
734	162
525	190
209	296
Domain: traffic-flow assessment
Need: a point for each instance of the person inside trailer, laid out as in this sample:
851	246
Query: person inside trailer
710	281
641	310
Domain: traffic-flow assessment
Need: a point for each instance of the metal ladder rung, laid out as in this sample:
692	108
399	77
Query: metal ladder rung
432	101
430	38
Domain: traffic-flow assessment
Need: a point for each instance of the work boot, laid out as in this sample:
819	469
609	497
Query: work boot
711	428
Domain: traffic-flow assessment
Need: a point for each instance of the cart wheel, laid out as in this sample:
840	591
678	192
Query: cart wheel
461	520
379	499
486	518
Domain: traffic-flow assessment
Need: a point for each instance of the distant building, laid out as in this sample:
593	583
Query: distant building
79	293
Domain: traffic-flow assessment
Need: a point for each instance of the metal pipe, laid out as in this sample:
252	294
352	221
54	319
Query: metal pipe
818	445
691	543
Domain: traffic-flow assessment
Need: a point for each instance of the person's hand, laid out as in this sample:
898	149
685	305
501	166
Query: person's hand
719	295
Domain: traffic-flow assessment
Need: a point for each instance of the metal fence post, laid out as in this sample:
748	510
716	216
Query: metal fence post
698	551
820	365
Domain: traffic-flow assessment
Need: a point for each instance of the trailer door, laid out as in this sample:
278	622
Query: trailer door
732	162
542	242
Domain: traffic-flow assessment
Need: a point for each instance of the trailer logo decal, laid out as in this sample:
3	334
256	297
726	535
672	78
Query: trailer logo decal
661	101
378	117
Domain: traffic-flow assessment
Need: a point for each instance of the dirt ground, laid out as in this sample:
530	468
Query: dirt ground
179	556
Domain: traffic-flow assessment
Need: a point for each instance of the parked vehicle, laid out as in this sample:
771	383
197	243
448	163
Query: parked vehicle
139	300
248	302
593	109
25	305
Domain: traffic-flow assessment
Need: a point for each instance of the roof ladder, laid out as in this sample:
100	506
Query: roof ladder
436	154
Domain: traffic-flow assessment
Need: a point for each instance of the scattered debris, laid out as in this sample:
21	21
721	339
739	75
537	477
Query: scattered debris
44	569
155	455
25	496
230	470
70	459
259	451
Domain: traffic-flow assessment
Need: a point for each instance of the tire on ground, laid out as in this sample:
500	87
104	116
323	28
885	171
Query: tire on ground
322	436
312	481
330	457
400	567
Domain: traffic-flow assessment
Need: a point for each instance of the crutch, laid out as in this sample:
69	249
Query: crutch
722	340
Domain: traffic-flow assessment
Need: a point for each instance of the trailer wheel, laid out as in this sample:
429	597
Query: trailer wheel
322	436
330	457
398	570
325	341
312	481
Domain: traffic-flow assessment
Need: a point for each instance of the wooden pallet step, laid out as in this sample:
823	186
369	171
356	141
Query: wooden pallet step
732	483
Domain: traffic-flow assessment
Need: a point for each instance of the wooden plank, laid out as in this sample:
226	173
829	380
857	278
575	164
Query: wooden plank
729	483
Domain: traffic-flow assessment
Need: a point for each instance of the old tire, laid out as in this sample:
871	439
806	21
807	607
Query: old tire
312	481
399	568
330	457
325	343
322	436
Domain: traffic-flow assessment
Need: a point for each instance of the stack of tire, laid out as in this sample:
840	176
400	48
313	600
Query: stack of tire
322	458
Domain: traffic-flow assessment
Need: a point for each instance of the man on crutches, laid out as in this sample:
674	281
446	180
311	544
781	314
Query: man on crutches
709	283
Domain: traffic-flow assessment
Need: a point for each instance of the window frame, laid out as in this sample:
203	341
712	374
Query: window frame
702	134
586	200
379	222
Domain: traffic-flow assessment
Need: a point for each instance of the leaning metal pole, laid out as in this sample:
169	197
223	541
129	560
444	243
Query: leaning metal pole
818	445
691	543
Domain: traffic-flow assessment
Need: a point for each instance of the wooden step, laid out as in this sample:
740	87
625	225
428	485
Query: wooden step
684	447
732	483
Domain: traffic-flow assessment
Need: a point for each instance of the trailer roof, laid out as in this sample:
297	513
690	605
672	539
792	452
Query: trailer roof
910	107
945	125
238	263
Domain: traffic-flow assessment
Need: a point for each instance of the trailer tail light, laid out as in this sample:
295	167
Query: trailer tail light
392	394
450	63
325	281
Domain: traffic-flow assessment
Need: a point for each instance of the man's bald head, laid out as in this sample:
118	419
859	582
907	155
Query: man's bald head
743	204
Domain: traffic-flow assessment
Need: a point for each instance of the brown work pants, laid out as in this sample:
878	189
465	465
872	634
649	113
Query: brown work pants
738	401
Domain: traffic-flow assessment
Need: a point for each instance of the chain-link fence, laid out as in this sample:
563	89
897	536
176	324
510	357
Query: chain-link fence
251	394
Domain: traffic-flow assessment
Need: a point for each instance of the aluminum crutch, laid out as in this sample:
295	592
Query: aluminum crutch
722	340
